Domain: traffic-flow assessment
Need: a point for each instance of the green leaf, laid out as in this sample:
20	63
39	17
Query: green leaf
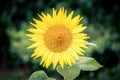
50	79
38	75
69	72
88	64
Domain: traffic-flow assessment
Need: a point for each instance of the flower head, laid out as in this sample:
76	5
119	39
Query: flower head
58	38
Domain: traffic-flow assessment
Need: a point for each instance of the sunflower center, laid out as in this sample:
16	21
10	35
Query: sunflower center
58	38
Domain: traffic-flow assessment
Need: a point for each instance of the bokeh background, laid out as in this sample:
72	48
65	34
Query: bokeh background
101	16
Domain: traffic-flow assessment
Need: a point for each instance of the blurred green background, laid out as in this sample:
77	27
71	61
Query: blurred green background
101	16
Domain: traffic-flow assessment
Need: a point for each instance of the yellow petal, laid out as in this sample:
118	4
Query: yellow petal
78	29
40	25
77	49
44	58
70	15
37	44
40	52
73	53
50	59
56	59
61	62
37	31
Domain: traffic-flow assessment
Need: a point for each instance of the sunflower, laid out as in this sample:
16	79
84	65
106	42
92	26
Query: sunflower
58	38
